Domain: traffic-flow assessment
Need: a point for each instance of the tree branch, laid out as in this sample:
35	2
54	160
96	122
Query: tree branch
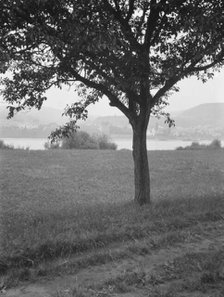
205	67
151	22
118	82
117	6
172	81
219	59
169	84
139	28
126	29
131	10
113	99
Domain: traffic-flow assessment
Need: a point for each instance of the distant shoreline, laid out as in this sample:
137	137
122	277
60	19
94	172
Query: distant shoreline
122	143
126	136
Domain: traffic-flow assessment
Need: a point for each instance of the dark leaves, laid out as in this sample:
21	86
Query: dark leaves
124	52
63	131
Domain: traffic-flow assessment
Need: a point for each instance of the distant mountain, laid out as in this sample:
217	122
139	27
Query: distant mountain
205	121
209	114
202	121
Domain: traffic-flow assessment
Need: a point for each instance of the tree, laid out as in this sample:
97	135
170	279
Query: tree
132	51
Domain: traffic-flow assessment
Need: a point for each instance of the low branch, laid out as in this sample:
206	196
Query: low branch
206	67
113	99
168	85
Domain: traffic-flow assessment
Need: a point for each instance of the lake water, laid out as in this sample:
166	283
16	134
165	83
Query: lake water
122	143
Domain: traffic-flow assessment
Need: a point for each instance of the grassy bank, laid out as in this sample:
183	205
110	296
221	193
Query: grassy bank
65	204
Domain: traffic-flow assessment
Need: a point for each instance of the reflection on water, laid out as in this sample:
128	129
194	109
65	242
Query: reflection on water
122	143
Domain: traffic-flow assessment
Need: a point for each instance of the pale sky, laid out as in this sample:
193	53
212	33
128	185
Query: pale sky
192	92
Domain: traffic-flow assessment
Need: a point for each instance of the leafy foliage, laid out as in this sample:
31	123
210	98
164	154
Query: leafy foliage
5	146
105	143
134	52
79	140
82	140
214	145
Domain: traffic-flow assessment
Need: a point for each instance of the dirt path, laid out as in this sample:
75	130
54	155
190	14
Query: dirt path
97	275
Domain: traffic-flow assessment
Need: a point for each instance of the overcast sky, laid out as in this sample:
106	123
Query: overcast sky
192	92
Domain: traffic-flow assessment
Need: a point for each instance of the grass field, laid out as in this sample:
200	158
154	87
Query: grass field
66	213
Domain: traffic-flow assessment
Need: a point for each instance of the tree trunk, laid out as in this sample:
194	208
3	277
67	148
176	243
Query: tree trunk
141	166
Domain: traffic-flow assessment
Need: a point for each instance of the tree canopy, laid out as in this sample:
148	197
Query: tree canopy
132	51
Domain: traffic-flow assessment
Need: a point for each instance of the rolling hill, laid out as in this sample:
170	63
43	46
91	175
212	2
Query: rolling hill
209	114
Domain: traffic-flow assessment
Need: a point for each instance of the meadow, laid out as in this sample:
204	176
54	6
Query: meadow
65	213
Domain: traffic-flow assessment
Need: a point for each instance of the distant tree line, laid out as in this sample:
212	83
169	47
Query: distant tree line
3	145
82	140
214	145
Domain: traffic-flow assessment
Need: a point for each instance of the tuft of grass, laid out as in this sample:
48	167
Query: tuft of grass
74	292
194	272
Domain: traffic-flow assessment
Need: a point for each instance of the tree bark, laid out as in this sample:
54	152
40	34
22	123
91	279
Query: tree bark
141	166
